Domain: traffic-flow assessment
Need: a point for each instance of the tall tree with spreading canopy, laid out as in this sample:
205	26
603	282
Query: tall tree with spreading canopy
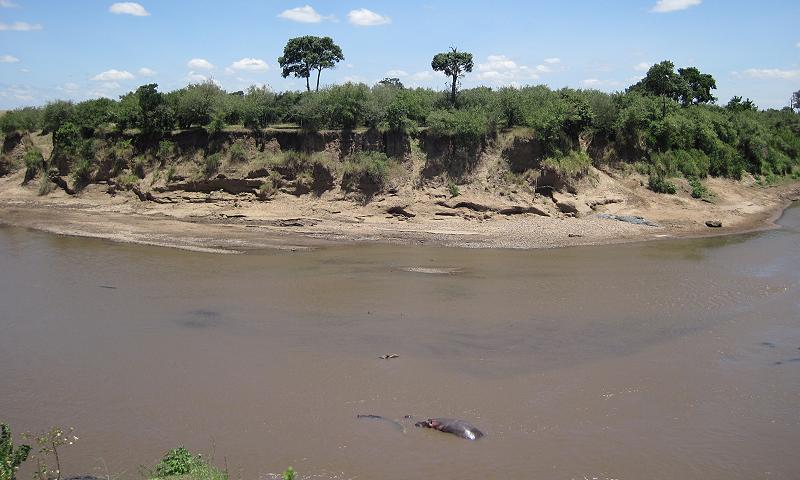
696	87
303	55
455	65
796	100
688	86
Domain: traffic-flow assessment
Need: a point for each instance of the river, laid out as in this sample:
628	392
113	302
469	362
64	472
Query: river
657	360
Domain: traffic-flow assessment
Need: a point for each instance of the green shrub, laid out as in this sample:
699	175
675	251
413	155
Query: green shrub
179	462
466	127
34	162
166	150
453	189
365	171
170	173
82	170
698	189
659	184
10	457
27	119
237	152
211	164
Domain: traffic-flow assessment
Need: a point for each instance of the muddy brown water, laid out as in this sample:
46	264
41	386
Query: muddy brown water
658	360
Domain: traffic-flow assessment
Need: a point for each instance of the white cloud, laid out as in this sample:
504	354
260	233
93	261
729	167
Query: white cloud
20	27
113	75
7	4
146	72
397	73
367	18
70	87
194	77
552	61
503	70
305	14
642	67
199	63
8	59
770	73
797	45
597	83
666	6
422	76
128	8
252	64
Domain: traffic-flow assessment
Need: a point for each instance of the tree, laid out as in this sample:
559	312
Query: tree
391	82
796	100
696	86
688	86
736	104
302	55
455	65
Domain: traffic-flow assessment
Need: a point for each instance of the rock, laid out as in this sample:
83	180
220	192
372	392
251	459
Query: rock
633	219
567	206
574	235
518	209
294	222
596	202
713	223
400	210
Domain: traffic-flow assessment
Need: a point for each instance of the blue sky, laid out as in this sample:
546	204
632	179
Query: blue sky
78	49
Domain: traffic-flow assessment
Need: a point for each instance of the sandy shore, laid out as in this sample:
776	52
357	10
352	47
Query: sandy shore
224	223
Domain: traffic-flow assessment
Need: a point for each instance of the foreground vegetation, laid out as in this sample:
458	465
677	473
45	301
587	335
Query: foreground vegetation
664	126
177	464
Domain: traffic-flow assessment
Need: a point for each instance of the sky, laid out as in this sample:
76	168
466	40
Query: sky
81	49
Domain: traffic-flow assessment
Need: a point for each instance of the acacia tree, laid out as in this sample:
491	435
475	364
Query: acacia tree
303	55
689	86
455	65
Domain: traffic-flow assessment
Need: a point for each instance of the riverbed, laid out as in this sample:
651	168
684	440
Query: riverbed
663	359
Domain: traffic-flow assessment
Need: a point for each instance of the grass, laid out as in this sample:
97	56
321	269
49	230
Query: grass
366	171
211	164
46	186
453	189
573	164
126	179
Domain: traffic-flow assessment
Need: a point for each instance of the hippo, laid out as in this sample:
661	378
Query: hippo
451	425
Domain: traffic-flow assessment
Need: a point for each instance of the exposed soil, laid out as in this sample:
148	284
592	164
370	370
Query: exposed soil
226	213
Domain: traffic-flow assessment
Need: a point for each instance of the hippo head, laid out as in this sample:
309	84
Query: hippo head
429	423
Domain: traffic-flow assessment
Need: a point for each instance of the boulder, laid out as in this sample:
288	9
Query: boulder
713	223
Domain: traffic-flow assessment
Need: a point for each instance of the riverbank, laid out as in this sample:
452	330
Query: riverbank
220	222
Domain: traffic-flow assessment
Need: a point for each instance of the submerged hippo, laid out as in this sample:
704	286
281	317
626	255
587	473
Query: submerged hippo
451	425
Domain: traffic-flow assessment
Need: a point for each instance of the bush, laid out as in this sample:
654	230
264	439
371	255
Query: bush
698	189
180	462
10	457
466	127
211	164
26	119
659	184
453	189
366	171
237	152
82	171
34	163
166	150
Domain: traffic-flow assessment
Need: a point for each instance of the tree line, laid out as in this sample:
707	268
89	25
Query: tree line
669	119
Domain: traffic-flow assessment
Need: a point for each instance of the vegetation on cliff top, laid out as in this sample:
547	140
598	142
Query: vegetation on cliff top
667	122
